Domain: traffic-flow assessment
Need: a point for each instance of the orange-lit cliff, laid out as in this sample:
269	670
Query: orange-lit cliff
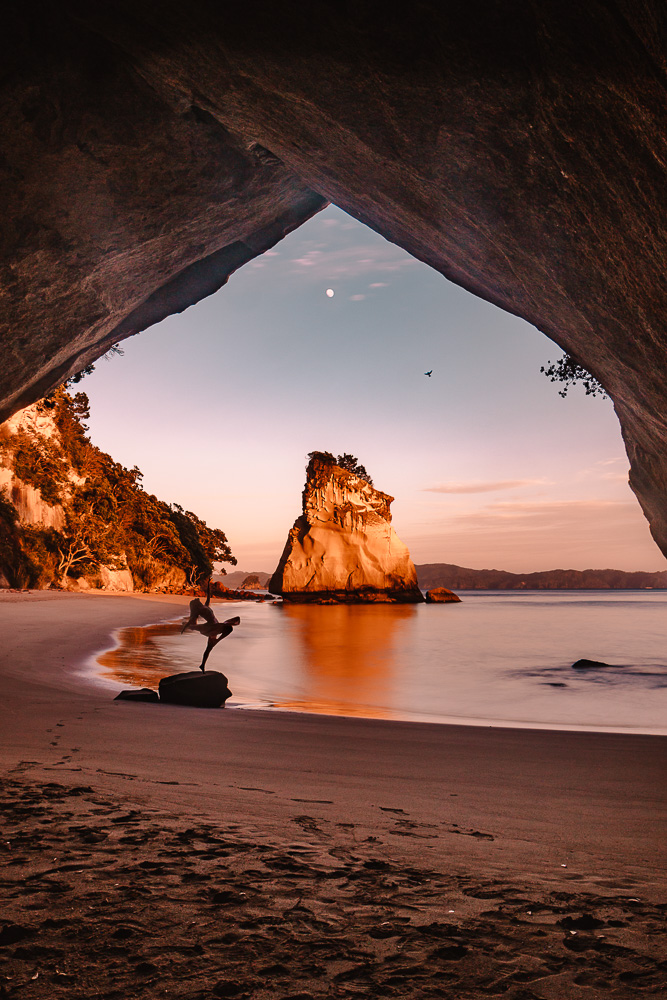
343	547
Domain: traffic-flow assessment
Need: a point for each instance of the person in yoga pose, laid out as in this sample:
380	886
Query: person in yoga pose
212	628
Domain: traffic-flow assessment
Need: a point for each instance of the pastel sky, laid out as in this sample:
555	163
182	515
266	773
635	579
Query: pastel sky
220	405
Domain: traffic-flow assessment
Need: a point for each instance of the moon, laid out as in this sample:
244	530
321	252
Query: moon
330	293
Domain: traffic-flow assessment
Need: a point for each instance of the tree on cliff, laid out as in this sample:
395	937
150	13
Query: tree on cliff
205	545
568	371
348	462
109	519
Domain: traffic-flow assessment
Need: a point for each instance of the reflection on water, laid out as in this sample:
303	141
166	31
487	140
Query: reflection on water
334	659
348	656
140	659
503	657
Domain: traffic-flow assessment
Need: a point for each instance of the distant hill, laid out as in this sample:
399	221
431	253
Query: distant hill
459	578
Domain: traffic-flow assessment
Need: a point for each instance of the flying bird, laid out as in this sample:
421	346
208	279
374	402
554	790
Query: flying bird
429	373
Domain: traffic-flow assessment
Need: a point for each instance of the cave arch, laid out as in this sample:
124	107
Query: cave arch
151	150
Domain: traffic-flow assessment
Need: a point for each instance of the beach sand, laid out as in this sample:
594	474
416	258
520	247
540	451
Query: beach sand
156	851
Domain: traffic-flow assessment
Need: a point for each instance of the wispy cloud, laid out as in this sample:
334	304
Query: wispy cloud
484	487
351	262
527	536
549	513
379	284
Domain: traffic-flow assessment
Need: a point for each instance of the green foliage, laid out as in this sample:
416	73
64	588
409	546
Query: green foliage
114	351
205	545
10	550
570	372
27	553
40	466
109	518
352	464
348	462
40	550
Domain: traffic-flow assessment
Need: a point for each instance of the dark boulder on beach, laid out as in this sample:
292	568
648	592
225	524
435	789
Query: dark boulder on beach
195	688
137	694
590	665
441	595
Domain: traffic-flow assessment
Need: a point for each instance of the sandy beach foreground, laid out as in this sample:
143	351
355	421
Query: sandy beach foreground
155	851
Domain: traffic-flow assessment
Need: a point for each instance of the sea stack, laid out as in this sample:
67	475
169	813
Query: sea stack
343	548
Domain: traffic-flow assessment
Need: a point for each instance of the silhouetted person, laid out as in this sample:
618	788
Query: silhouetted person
212	628
199	610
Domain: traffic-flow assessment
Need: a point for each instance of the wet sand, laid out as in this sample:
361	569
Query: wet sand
150	850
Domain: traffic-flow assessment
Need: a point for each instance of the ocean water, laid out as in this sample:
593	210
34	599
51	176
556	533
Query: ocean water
497	658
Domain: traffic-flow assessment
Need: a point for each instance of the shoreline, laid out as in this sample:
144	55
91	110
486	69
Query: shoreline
93	671
493	838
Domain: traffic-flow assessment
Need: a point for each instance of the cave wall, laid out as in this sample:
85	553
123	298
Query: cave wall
519	148
118	207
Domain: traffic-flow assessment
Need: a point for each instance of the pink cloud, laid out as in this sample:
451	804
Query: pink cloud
484	487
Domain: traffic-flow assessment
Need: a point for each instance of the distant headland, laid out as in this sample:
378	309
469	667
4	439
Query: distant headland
454	577
459	578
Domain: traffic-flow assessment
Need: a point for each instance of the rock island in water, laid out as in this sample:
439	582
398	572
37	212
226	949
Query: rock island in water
343	548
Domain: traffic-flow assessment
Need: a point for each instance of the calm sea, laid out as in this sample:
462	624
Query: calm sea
498	658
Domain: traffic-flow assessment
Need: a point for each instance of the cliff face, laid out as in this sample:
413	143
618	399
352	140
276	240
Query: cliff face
343	546
71	517
30	505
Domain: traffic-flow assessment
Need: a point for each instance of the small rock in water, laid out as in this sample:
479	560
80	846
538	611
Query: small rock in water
590	665
195	688
441	595
137	694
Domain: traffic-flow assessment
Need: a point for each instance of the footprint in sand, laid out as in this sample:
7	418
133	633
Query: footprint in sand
306	823
323	802
472	833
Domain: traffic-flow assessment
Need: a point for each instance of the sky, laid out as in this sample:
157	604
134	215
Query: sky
490	468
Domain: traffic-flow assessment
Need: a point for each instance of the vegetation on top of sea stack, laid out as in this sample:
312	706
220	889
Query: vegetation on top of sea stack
108	519
348	462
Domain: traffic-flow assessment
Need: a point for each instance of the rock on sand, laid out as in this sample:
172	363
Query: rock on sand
198	689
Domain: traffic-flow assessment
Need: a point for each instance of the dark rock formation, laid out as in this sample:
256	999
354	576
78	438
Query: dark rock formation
440	595
343	547
590	665
234	578
460	578
225	594
195	688
151	149
137	694
251	582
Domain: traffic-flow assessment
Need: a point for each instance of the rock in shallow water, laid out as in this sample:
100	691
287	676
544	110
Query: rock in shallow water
343	548
589	665
441	595
137	694
196	689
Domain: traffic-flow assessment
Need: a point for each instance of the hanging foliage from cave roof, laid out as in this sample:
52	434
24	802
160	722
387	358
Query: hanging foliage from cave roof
568	371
